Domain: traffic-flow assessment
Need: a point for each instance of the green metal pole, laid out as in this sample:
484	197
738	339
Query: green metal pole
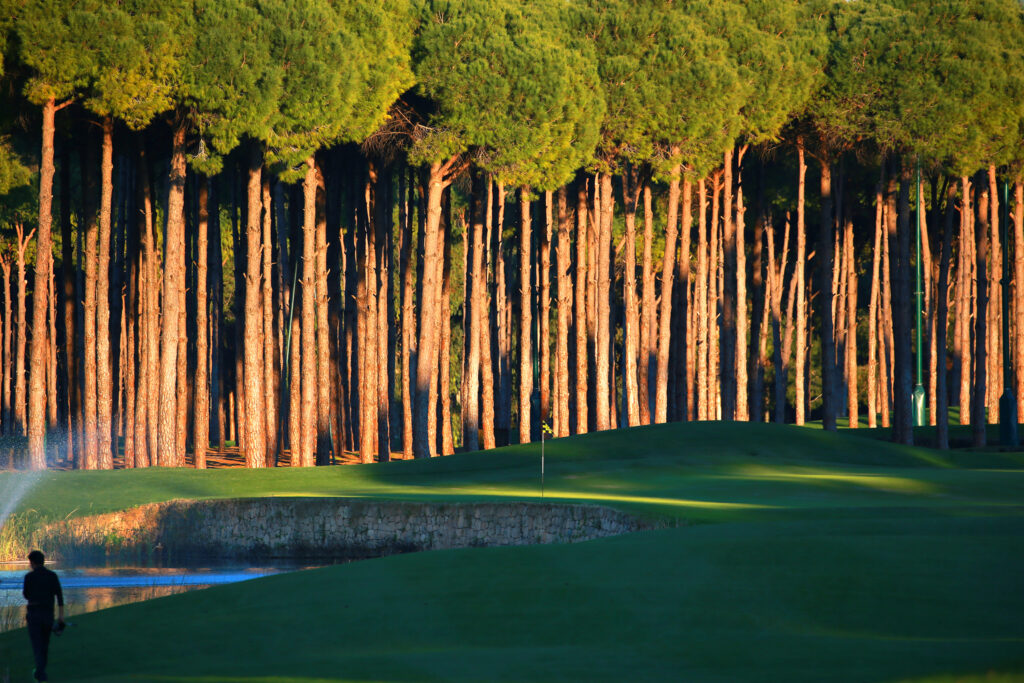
919	402
1007	402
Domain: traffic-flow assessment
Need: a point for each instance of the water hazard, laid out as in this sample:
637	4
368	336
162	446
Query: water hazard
88	589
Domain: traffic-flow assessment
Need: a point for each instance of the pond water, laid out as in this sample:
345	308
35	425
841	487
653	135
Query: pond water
87	589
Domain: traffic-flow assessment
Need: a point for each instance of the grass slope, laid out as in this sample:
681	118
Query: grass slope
820	557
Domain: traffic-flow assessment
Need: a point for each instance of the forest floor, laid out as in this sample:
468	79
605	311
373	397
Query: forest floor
799	555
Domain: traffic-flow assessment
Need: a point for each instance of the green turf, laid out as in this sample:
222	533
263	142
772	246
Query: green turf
812	557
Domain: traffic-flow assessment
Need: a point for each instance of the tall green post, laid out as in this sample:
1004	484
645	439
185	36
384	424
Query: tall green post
1007	402
919	401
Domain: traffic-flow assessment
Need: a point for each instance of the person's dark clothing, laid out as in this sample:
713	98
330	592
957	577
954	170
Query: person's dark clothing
40	625
41	589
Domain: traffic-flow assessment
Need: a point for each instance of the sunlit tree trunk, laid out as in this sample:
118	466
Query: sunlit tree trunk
173	283
104	396
800	400
1018	245
852	404
487	323
664	327
742	321
631	319
563	265
703	270
582	277
648	315
603	338
994	384
543	273
728	333
876	255
255	447
268	330
306	446
965	298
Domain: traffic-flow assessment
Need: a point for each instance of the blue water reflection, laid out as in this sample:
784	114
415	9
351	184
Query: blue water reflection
87	589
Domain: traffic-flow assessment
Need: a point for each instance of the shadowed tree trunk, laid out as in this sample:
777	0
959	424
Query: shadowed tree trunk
826	268
20	375
267	329
7	415
980	348
899	250
942	323
525	317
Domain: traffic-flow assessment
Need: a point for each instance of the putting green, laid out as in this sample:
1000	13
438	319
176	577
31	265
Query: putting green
811	557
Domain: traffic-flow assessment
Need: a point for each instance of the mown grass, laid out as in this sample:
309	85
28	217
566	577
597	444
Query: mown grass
810	557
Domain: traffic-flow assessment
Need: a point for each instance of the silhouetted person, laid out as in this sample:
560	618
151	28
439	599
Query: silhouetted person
42	587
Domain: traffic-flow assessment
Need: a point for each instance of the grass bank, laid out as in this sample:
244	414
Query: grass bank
807	556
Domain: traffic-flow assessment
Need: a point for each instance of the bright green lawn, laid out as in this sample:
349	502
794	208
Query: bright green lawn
814	557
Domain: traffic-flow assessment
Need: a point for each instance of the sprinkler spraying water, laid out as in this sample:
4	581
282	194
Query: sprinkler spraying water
13	488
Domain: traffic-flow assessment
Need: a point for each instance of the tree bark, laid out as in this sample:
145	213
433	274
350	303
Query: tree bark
648	315
255	446
1018	245
873	308
965	282
268	331
408	317
40	298
727	333
20	375
475	299
742	321
426	362
826	268
504	326
852	405
800	400
543	274
582	277
173	283
525	317
487	322
664	328
322	340
104	399
899	244
631	317
7	414
978	422
308	360
703	270
942	324
563	265
994	384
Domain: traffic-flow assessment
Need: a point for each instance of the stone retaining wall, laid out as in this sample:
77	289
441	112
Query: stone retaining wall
321	527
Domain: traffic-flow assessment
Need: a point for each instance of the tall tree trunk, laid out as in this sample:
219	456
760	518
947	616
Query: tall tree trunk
475	303
703	274
715	288
1018	246
873	308
72	388
942	324
504	326
408	316
563	266
173	283
201	405
728	294
40	303
322	340
929	308
826	268
631	317
800	362
89	457
780	351
447	445
648	316
105	455
852	405
525	317
20	376
543	273
965	280
981	324
430	307
6	416
899	243
742	321
582	277
994	384
603	343
308	379
668	267
268	329
255	422
385	339
487	322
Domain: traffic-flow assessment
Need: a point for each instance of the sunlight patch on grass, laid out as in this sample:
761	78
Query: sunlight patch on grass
555	496
809	475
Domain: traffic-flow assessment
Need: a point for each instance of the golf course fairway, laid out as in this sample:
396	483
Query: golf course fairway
785	554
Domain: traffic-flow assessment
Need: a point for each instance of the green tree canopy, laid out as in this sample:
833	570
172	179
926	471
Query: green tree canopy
505	81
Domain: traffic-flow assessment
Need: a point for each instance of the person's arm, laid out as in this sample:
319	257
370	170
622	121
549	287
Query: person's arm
24	588
60	598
